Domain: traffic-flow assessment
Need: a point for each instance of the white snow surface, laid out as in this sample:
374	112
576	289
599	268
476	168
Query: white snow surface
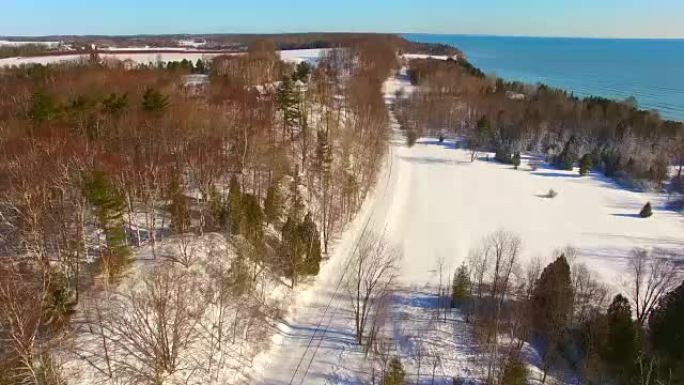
436	204
293	56
311	55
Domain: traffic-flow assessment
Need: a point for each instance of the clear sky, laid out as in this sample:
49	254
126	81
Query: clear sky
590	18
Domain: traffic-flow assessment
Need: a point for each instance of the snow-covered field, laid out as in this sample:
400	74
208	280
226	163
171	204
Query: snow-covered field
294	56
445	205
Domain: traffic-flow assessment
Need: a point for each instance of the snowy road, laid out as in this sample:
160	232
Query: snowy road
436	204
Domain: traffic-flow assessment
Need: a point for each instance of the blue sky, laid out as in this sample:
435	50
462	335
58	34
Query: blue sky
589	18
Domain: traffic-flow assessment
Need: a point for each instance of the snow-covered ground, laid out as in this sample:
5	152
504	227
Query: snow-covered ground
436	204
447	204
294	56
311	55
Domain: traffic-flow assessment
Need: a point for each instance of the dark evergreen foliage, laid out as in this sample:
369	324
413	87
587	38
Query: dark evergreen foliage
646	211
666	332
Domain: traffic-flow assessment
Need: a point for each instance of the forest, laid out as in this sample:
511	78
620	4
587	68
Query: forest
144	221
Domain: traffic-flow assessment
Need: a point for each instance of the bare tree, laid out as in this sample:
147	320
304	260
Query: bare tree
652	275
372	274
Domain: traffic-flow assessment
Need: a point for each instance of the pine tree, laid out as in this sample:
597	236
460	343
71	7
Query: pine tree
302	71
218	210
288	103
567	158
395	374
273	204
178	209
552	298
43	108
200	67
515	160
291	249
619	349
514	372
552	305
109	204
646	211
154	101
234	205
252	220
460	286
667	335
310	240
586	164
411	137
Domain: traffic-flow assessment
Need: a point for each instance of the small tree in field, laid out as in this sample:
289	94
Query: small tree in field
395	374
411	137
586	164
646	211
461	286
515	160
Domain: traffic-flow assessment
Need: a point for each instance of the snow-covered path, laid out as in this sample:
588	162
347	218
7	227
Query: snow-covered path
436	204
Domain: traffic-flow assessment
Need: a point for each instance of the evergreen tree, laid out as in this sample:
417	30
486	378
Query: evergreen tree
291	249
43	108
514	372
200	68
646	211
310	240
552	298
273	204
395	374
60	300
586	164
234	205
252	220
411	137
302	71
551	306
515	160
154	101
460	286
567	158
178	208
619	350
109	204
219	210
666	327
288	102
114	104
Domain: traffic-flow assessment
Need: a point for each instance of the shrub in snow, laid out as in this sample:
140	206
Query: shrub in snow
502	155
646	211
586	164
514	373
516	160
395	374
411	137
551	194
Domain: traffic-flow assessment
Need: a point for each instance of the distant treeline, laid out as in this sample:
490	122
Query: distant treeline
620	139
281	41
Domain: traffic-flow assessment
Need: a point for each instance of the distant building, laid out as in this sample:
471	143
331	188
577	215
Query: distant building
129	64
515	95
195	83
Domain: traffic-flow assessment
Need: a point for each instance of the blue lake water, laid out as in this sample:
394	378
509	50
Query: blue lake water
650	70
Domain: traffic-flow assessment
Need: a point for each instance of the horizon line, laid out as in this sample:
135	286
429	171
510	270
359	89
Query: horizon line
346	32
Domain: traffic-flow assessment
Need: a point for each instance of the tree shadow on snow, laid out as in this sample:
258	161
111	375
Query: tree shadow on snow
628	216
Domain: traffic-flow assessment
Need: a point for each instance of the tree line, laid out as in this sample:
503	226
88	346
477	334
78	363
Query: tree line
613	137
